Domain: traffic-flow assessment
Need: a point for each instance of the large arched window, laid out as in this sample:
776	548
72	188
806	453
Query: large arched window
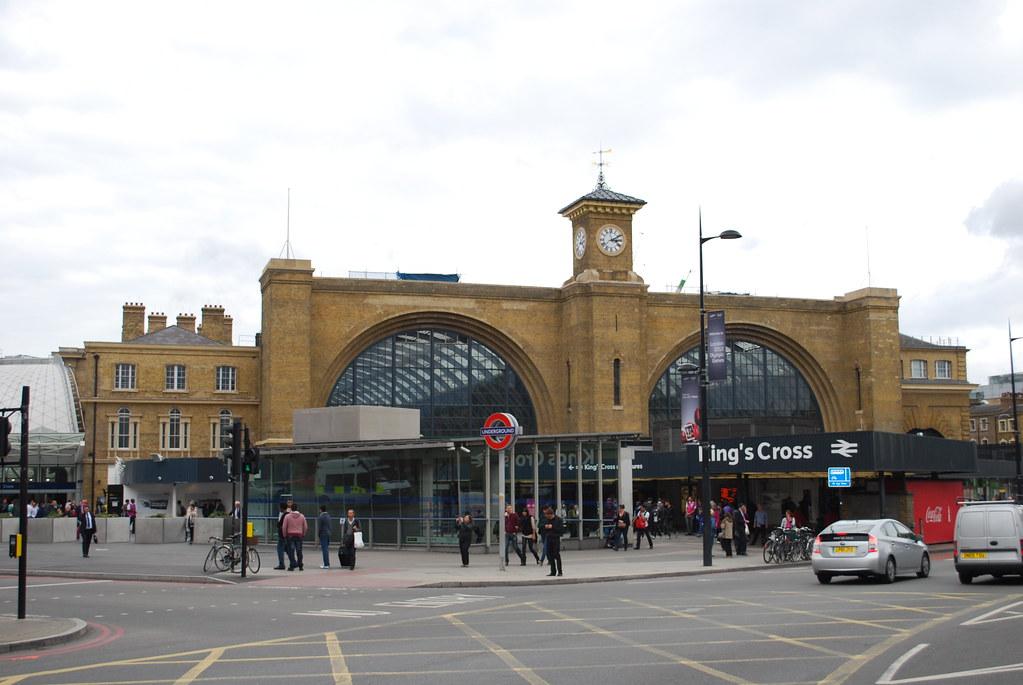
454	380
764	394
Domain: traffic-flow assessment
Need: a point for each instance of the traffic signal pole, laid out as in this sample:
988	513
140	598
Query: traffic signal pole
23	506
245	505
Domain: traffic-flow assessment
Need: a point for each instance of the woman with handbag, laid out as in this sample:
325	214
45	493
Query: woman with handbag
527	524
346	552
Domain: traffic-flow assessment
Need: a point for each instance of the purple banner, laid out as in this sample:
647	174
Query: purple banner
717	369
690	396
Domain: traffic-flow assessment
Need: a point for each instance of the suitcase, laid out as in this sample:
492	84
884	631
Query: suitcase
343	557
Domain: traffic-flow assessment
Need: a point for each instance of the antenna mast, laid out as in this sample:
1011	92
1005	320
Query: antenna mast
286	251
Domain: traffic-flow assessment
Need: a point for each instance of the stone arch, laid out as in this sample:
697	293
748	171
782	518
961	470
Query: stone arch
510	350
796	354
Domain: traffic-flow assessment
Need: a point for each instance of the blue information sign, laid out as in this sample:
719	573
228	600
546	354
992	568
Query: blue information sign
839	477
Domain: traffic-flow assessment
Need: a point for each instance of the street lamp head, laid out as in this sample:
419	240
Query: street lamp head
730	234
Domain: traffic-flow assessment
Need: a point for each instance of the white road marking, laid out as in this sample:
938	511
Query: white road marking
70	582
342	613
987	618
890	672
439	601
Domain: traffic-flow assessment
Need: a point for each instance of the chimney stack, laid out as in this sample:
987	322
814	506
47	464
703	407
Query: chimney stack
157	322
133	321
186	321
213	324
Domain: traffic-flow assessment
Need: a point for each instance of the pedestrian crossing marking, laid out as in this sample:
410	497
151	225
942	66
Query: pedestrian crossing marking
438	601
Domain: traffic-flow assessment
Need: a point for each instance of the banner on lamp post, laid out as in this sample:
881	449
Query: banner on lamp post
690	396
717	368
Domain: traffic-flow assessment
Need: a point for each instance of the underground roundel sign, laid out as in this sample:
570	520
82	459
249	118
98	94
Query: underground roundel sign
500	430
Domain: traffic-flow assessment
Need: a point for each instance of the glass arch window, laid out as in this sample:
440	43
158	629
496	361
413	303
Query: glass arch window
763	394
454	380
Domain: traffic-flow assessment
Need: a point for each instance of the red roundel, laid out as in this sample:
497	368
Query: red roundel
499	430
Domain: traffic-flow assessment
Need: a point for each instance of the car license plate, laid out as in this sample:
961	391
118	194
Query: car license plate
843	550
974	555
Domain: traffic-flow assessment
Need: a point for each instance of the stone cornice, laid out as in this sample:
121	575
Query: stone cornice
593	207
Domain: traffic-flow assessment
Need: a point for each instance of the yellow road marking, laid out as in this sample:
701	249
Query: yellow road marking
795	642
850	667
200	667
681	660
338	665
526	673
817	614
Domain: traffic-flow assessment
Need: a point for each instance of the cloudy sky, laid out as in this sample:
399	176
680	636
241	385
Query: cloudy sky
146	150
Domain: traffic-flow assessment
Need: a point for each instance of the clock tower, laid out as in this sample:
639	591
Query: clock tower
602	235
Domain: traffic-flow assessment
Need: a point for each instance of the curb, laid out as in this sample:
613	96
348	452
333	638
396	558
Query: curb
100	575
71	633
547	580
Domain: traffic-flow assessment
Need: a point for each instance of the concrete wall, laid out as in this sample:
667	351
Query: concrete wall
65	529
344	424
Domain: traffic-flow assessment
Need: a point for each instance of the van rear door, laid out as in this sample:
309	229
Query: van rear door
1002	536
971	535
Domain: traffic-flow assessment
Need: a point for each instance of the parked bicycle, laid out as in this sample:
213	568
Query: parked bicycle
791	545
226	553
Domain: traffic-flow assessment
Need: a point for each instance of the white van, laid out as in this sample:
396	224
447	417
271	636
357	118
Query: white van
988	540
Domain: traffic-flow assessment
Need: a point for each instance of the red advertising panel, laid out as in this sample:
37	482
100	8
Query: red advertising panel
934	508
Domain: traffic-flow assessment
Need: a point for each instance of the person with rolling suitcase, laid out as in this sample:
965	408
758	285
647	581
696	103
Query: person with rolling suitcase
346	552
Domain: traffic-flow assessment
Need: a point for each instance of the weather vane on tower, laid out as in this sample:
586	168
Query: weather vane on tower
601	185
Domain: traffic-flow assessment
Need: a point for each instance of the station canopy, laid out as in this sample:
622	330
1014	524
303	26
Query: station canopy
56	433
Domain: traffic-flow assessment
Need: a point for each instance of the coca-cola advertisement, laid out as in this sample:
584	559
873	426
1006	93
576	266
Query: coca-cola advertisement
934	508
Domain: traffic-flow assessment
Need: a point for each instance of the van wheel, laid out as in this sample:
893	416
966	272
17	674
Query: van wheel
965	578
925	566
889	571
824	578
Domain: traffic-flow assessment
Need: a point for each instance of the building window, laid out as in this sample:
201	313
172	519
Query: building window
1003	425
227	378
175	377
124	377
617	382
983	424
221	430
174	431
973	425
943	369
918	368
124	431
983	441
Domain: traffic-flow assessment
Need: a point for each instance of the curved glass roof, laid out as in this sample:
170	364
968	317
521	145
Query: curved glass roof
52	405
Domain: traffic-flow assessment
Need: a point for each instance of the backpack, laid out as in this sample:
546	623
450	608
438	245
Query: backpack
640	521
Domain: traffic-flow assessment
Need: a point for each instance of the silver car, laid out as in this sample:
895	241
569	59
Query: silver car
874	547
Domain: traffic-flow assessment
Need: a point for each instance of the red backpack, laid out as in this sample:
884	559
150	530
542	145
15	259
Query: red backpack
640	522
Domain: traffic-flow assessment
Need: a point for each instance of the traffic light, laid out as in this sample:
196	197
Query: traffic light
250	463
5	436
232	452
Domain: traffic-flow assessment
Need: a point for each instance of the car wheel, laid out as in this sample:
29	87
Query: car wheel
889	570
965	578
925	566
824	578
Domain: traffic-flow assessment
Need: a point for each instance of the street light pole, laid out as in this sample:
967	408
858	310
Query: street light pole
1015	417
704	422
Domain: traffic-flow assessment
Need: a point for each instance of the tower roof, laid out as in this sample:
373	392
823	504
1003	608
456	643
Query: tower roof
603	194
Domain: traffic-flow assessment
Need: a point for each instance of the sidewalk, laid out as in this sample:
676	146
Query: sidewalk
180	562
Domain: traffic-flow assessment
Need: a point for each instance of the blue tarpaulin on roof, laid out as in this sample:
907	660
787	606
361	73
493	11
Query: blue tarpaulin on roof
445	278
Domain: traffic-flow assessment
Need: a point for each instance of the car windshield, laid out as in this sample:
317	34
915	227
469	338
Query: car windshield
850	527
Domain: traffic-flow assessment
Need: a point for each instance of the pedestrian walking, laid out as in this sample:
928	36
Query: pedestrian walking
132	513
527	524
282	542
621	527
86	527
511	534
740	530
553	528
642	525
349	527
466	532
295	527
323	534
191	514
690	515
727	531
759	526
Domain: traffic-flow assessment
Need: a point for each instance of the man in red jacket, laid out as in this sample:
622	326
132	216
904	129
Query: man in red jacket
294	528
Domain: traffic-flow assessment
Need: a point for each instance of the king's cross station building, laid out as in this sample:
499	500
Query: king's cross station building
369	393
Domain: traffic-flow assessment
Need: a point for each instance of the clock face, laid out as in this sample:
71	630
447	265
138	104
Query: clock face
611	240
580	242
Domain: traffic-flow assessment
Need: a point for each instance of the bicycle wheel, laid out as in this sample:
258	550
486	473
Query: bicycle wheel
222	558
209	564
253	563
769	551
